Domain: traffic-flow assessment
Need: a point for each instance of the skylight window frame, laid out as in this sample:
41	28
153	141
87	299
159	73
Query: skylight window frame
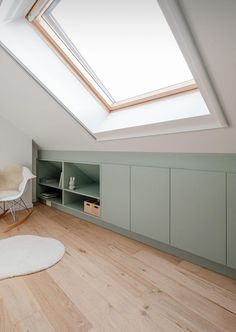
71	57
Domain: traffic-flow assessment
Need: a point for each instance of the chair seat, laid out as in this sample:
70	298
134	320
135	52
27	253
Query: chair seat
8	195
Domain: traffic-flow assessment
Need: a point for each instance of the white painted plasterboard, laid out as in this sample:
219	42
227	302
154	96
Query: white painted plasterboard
182	33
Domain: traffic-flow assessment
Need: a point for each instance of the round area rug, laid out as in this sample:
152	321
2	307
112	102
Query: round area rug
25	254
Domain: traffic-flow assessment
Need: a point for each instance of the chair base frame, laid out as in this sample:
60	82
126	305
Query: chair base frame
12	208
3	213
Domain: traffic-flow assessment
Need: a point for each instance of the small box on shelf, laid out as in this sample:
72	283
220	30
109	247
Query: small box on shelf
92	206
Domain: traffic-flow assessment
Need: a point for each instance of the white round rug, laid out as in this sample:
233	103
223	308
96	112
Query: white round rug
25	254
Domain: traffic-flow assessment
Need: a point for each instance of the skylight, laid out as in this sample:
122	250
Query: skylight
123	50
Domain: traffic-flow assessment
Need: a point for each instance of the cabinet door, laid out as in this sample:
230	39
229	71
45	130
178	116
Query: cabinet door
115	191
198	213
150	202
231	222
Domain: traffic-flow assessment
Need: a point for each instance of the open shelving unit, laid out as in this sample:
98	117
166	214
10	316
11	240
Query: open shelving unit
87	183
49	173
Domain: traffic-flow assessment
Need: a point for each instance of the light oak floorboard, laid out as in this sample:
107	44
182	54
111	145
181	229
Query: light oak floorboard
37	322
5	321
107	282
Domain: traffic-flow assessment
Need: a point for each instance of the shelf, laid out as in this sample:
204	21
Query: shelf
79	206
57	200
91	190
54	184
76	206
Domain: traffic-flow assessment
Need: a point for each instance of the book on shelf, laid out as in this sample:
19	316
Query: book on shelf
47	195
60	181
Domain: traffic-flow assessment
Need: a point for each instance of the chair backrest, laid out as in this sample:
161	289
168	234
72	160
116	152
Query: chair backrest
26	176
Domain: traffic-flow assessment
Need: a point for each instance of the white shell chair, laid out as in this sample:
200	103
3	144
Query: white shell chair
14	198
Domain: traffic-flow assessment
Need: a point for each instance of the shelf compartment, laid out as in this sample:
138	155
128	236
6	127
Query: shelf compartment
86	179
90	190
79	206
49	173
57	200
75	201
54	184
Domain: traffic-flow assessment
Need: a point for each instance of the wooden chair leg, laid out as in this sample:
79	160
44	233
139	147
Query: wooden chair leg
18	222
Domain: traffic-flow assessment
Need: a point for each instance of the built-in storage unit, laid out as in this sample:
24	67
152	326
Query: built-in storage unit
198	213
231	218
183	204
54	178
150	202
116	195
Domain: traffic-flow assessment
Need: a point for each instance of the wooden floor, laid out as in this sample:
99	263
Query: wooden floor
106	282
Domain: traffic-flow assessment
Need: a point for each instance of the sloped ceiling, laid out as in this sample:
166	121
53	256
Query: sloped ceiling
212	22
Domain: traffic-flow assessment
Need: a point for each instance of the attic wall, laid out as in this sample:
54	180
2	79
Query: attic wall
15	148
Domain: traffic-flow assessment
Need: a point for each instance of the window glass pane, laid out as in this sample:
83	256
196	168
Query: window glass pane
127	43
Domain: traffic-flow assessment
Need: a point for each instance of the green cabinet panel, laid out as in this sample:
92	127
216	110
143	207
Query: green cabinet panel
115	194
231	220
198	213
150	202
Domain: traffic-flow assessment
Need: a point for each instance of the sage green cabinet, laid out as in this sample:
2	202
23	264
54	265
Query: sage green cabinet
198	213
231	220
150	202
115	194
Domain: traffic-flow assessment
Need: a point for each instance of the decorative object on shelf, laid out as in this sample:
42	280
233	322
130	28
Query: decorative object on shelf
92	206
60	181
72	183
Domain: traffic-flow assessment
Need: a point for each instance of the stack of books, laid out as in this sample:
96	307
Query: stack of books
49	195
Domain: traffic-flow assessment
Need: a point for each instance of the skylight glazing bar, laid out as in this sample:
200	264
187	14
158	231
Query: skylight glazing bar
69	59
52	22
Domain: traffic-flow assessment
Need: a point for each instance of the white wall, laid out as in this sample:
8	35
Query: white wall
15	148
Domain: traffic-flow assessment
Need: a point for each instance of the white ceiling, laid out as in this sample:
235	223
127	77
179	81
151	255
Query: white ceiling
30	108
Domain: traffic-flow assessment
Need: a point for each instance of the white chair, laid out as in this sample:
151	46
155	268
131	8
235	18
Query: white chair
14	199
